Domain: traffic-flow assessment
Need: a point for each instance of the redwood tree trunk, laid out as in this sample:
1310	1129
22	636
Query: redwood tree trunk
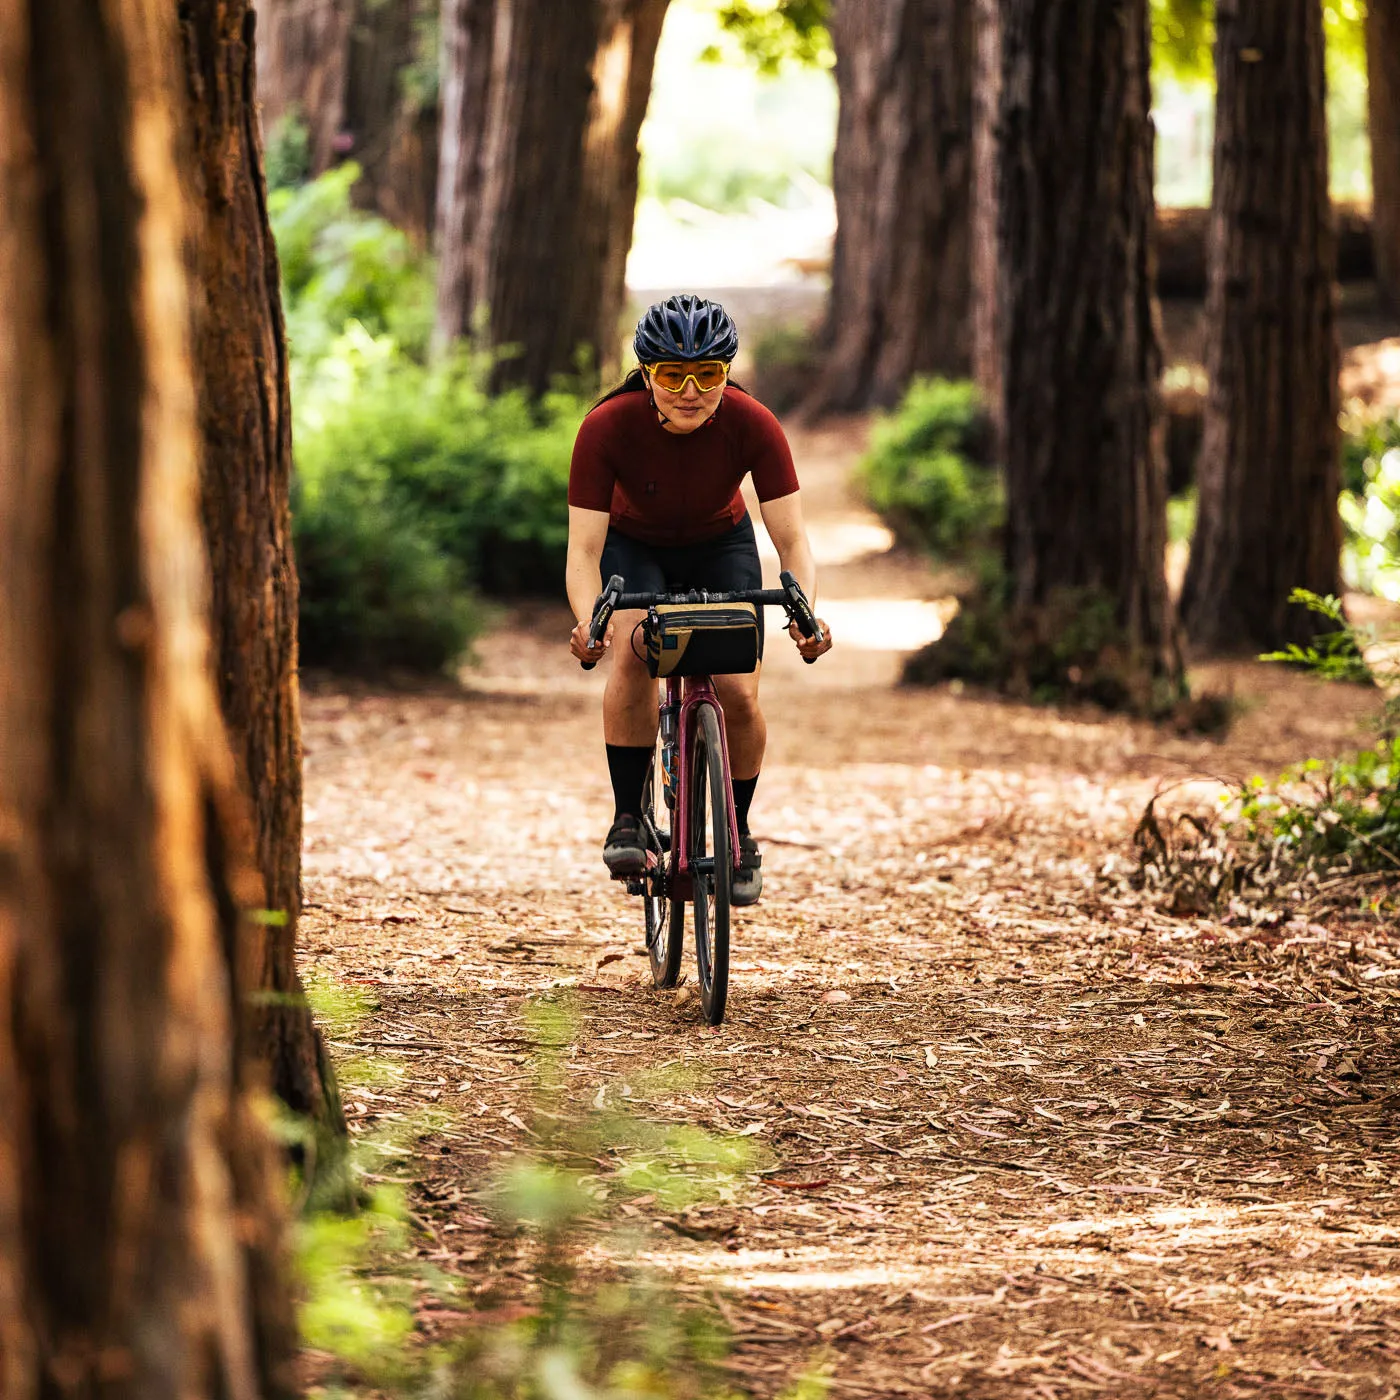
302	68
390	126
525	221
468	43
240	359
1383	76
622	75
985	278
1079	356
141	1244
1269	473
903	180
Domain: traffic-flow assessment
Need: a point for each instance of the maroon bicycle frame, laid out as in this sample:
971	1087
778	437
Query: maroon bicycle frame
690	695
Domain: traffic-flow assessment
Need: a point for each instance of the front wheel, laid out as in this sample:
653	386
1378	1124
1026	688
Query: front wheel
665	918
711	862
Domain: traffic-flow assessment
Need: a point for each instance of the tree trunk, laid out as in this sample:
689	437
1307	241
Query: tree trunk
1383	76
1269	472
240	360
1079	356
902	176
622	76
1183	248
986	95
302	69
141	1244
390	125
514	184
533	238
468	42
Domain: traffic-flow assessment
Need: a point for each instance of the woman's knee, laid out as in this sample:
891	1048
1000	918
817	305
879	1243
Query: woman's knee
739	696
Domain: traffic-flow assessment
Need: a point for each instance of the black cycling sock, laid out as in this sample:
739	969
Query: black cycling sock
743	800
627	766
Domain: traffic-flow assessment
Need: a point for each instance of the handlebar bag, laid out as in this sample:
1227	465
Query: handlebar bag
701	639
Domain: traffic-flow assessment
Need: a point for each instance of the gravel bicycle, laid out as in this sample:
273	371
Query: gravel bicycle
688	819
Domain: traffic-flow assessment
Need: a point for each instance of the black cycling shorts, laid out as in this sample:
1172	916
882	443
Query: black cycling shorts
725	564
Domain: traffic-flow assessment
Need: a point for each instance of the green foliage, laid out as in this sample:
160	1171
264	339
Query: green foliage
1070	650
1183	32
928	471
481	481
623	1337
287	158
1370	507
1322	831
786	360
340	265
773	33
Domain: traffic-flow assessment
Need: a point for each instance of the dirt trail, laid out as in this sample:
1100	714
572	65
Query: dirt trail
1014	1136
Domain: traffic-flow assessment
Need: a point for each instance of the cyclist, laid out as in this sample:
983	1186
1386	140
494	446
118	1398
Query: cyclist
654	496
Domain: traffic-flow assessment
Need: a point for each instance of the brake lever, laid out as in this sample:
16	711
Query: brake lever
603	611
800	610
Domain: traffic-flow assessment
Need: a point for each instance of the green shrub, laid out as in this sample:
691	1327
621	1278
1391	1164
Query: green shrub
785	361
482	480
340	265
377	590
928	472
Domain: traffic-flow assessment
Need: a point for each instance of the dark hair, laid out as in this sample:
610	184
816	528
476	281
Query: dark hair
636	383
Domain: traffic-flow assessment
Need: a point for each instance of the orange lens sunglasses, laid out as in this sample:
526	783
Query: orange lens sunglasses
672	375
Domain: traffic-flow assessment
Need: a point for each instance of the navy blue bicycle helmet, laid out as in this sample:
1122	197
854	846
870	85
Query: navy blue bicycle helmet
686	328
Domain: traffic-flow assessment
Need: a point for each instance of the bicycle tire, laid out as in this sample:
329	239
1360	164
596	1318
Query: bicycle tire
665	917
709	840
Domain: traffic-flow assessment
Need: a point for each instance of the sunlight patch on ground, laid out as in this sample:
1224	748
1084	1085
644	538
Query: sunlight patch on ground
837	542
754	1269
887	624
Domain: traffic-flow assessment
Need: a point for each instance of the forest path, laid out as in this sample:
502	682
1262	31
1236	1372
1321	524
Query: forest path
1010	1133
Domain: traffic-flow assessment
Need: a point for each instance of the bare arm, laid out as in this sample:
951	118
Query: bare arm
588	531
788	531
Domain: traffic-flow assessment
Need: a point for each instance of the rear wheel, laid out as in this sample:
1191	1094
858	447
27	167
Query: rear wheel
711	863
665	920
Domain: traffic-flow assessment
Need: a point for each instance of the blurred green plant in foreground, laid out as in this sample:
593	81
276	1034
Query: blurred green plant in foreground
617	1333
1370	507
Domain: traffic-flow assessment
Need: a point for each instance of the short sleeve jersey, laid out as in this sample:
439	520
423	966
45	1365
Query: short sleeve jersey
678	488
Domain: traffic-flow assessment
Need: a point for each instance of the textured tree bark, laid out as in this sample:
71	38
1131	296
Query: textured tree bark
140	1240
986	94
545	265
1269	472
622	75
903	178
302	68
240	361
1079	356
1383	75
388	127
522	262
468	39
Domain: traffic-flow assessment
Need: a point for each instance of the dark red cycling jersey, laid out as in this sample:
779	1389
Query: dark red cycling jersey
673	488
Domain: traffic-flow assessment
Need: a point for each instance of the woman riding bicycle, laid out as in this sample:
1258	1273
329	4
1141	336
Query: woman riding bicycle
654	496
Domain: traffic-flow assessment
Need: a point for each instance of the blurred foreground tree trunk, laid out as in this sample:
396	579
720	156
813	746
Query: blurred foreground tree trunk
903	183
140	1242
302	70
512	179
240	362
1269	472
1079	362
1383	78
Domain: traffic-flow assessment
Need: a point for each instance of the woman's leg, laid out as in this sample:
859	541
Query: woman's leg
744	724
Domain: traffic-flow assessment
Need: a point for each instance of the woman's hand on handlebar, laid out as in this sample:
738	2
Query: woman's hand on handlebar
809	646
578	643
